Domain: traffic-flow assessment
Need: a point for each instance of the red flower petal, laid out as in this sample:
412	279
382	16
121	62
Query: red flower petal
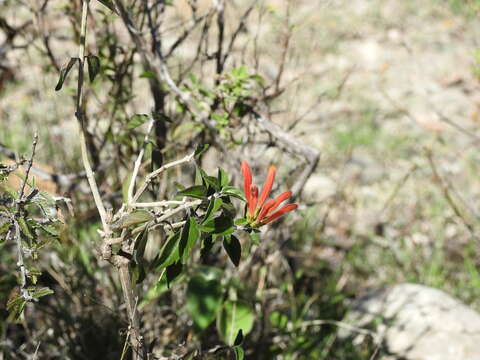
266	209
247	181
267	187
278	200
283	210
253	200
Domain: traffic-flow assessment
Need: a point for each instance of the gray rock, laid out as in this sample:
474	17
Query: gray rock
416	322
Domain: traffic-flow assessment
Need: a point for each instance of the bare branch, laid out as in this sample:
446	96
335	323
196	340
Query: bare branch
157	172
138	162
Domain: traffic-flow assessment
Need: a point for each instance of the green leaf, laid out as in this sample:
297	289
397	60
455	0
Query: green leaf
147	75
204	297
25	228
15	306
213	207
38	293
234	316
4	228
211	181
49	229
140	245
233	191
198	177
239	339
173	271
239	353
228	208
188	238
222	177
109	4
220	225
138	272
195	191
233	248
135	218
200	150
64	72
136	121
169	253
93	63
125	186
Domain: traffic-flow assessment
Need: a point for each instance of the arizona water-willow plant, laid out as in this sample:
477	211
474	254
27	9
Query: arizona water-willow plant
204	220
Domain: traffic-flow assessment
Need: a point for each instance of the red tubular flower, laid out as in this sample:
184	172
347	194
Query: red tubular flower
267	187
247	175
260	211
253	200
276	215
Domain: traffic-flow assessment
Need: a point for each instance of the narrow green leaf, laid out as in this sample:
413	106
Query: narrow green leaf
136	121
138	272
213	207
169	253
239	339
147	75
93	63
222	177
125	186
188	238
109	4
25	228
64	72
210	181
200	150
15	306
4	226
140	245
41	292
239	353
228	208
50	230
233	248
219	225
196	191
233	191
135	218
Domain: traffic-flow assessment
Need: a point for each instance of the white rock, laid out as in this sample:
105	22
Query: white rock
420	323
